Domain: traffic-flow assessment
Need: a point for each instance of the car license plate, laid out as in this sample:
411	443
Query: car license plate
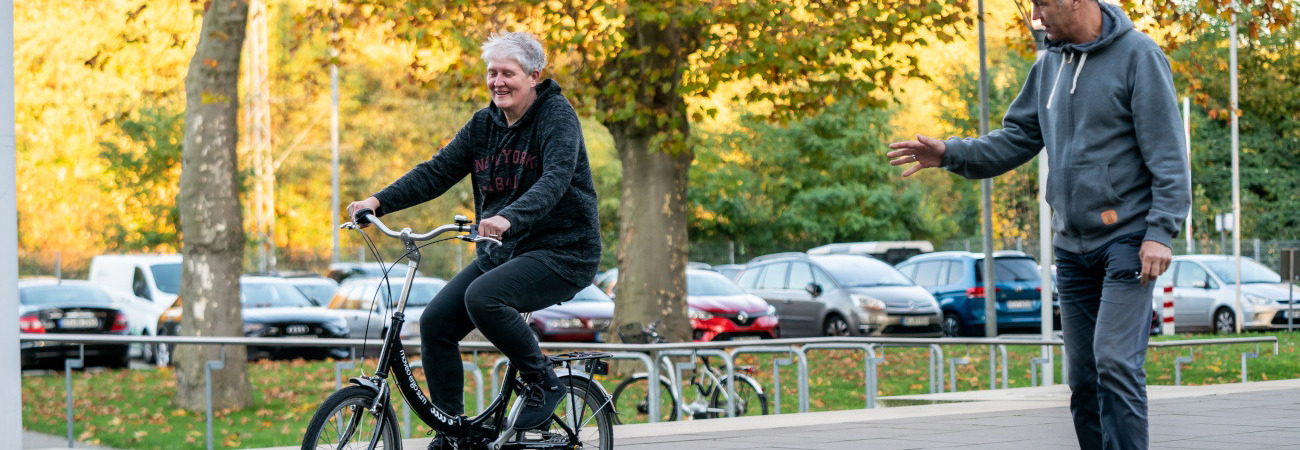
1020	304
916	321
1293	313
745	338
70	323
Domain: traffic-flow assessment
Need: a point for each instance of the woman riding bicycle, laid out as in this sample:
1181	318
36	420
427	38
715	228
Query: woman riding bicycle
526	157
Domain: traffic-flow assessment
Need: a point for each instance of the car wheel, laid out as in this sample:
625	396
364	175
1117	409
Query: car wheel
147	350
951	325
1225	321
163	354
836	326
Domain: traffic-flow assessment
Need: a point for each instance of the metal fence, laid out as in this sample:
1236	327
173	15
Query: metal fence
649	354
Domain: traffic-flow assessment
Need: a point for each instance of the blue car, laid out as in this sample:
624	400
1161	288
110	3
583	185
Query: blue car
957	282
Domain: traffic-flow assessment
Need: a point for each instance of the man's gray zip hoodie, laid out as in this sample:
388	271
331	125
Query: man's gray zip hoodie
1107	113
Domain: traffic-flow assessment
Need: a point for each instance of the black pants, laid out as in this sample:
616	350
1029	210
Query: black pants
490	301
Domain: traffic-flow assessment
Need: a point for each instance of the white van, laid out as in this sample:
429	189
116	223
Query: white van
892	252
153	277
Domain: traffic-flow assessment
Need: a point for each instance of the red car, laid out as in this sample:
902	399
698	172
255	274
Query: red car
720	310
585	318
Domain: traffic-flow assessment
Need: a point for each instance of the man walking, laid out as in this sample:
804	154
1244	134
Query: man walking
1102	102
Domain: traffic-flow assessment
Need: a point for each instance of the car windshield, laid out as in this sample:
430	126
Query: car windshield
319	293
64	293
864	272
271	295
167	277
421	293
591	294
1251	272
1009	269
710	283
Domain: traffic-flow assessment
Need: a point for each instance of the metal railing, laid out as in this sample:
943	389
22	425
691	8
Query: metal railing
647	354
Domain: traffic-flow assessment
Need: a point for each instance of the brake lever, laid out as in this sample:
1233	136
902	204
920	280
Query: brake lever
474	237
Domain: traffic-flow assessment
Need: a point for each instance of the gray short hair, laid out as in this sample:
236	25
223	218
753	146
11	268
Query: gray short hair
520	46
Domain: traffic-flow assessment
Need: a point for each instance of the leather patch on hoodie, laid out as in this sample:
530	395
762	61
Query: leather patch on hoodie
1109	217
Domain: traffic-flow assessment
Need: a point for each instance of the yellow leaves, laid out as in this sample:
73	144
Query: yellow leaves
90	432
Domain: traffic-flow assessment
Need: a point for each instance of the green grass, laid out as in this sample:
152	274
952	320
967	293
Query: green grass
132	408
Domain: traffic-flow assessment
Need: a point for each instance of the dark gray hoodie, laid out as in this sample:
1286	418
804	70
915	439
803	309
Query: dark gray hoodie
534	173
1107	113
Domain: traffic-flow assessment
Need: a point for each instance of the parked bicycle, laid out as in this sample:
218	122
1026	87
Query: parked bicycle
708	385
361	415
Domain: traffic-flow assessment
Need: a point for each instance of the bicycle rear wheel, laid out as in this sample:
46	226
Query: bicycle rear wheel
585	410
344	421
632	399
750	399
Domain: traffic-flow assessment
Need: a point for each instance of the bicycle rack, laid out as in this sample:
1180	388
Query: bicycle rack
350	364
68	365
936	361
1002	361
208	367
1244	357
1034	363
870	377
803	370
1178	366
952	370
731	372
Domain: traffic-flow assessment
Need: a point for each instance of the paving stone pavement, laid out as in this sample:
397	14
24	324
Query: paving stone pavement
1253	415
1264	415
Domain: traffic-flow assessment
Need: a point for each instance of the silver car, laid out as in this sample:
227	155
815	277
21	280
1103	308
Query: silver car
366	304
841	295
1205	294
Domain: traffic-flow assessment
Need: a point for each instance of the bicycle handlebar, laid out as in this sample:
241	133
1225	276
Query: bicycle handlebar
367	216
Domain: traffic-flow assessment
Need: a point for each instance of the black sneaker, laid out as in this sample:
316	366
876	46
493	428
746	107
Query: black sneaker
541	393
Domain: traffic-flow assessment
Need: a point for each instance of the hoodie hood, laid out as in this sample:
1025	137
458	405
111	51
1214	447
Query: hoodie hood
546	89
1114	23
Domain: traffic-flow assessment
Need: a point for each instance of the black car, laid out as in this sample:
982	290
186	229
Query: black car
274	308
52	307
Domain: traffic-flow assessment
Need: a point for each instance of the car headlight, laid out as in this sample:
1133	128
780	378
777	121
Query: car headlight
867	303
770	311
564	323
1258	300
253	328
698	314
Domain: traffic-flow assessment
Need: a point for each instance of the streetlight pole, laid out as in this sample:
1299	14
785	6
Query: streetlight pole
1236	167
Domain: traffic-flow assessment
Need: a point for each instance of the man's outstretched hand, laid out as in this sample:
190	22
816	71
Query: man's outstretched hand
925	152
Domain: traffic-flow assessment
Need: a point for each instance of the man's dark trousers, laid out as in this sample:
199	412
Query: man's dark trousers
1106	320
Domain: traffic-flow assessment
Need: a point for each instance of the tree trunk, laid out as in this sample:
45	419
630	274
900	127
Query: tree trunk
211	218
653	147
652	240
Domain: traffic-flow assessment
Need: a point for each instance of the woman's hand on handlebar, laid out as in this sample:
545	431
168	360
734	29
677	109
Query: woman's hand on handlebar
494	227
369	203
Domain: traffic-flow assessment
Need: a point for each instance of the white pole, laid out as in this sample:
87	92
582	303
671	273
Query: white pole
334	136
1045	251
1236	167
986	188
1187	134
11	395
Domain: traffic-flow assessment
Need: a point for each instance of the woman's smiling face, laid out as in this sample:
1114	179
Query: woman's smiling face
510	86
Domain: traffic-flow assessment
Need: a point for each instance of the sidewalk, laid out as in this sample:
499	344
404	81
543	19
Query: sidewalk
1251	415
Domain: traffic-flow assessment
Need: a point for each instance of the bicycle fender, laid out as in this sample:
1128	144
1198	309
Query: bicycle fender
751	381
365	383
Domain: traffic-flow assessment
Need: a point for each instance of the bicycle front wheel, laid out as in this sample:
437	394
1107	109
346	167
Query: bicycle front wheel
344	421
584	419
632	399
750	399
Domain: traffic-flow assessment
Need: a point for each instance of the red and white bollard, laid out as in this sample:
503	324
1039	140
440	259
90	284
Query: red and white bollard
1167	313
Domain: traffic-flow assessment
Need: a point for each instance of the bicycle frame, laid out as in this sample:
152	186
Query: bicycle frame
392	357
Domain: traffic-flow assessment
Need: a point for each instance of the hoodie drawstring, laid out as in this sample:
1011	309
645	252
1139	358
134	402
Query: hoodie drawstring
1074	83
